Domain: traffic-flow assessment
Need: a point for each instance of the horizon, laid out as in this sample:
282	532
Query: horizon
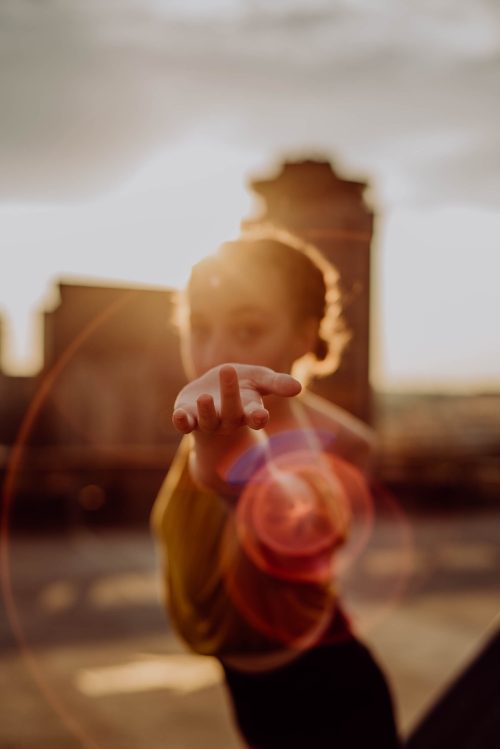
407	387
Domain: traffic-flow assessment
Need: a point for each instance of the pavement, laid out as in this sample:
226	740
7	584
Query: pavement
88	657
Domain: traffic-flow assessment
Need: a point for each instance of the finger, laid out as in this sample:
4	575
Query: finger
256	416
286	385
183	421
208	419
269	382
231	410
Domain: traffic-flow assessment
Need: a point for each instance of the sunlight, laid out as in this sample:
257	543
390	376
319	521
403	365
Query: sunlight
182	673
182	203
435	298
437	307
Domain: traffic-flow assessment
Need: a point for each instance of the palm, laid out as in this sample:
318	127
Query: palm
228	397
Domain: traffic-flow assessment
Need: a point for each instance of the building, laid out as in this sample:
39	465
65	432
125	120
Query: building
309	199
96	436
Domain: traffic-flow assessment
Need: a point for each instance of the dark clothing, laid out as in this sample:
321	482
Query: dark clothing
333	696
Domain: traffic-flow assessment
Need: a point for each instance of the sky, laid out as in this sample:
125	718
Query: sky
129	130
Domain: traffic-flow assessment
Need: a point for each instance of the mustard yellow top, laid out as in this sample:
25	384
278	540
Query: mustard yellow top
219	600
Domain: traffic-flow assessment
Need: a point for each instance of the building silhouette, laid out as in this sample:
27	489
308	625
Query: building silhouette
89	439
309	199
96	437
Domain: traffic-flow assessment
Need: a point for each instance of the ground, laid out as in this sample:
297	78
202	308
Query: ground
88	658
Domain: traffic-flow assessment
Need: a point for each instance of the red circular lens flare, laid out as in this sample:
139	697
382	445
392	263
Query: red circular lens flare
292	517
279	545
296	510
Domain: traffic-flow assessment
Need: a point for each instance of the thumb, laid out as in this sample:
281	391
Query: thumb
286	385
269	382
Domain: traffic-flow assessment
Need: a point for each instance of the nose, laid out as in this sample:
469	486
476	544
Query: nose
215	350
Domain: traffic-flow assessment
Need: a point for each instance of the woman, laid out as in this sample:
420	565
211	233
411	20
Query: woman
260	495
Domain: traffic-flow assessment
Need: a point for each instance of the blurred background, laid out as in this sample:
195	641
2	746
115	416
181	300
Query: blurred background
134	138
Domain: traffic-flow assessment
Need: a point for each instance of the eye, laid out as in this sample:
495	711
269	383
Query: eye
247	333
199	330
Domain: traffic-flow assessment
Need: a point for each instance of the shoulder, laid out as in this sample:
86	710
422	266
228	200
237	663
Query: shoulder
354	440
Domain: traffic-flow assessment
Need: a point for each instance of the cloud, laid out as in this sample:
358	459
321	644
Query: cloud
89	90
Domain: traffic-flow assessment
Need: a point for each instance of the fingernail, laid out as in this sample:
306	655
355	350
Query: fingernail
260	419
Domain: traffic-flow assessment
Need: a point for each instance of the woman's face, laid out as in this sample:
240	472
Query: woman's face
243	317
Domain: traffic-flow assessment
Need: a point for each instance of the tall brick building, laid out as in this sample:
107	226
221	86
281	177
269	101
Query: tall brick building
310	200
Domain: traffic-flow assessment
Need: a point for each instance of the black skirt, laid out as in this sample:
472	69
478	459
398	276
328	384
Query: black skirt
333	696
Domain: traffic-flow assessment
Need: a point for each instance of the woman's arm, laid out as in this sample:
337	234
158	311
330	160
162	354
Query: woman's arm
223	409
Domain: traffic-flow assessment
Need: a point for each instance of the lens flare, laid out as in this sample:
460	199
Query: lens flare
33	664
278	551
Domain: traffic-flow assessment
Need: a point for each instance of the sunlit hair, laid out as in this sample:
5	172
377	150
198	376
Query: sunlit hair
311	281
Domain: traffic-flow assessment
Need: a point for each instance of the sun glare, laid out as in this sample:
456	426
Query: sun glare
435	301
437	307
149	231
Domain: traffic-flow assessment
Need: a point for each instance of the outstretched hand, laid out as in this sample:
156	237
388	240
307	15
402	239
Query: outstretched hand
228	397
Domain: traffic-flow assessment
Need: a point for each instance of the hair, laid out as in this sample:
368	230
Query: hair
312	282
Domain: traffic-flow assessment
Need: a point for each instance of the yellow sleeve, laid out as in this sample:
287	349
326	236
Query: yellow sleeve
219	600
